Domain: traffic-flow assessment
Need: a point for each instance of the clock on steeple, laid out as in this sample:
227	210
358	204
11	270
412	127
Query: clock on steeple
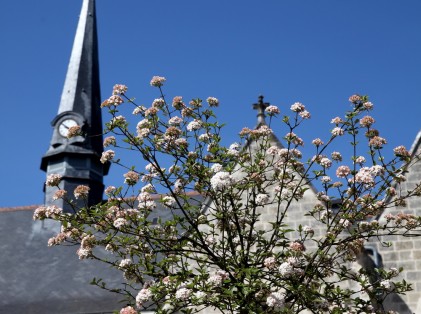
61	125
65	125
77	159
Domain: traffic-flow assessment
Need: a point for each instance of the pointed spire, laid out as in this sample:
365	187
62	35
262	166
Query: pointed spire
260	106
81	96
81	92
83	72
77	159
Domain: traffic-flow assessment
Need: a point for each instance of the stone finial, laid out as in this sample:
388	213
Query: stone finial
260	106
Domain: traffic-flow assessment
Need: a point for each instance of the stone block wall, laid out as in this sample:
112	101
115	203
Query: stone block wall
405	252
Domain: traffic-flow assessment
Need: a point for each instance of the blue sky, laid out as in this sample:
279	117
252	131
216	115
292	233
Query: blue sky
315	52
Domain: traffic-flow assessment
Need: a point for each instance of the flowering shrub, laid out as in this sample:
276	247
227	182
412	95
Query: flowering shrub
211	245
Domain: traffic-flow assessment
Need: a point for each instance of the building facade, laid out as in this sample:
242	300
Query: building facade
38	279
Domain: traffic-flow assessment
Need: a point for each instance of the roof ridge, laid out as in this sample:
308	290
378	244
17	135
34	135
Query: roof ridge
18	208
415	144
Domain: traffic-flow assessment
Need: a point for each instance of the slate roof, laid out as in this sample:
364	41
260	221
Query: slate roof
35	278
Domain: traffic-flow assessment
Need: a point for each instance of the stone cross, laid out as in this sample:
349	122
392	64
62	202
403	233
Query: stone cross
260	106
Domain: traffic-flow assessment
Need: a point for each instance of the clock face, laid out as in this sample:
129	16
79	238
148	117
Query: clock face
65	125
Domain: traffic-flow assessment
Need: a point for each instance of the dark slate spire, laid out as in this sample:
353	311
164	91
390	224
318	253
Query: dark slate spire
77	159
260	106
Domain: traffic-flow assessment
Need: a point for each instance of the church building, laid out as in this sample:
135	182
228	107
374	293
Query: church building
38	279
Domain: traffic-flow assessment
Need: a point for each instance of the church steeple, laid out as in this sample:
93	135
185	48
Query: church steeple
77	159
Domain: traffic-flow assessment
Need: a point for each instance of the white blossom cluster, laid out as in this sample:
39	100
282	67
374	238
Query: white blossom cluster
366	174
183	294
120	222
234	149
276	300
194	125
286	270
205	137
43	212
143	296
272	110
337	131
290	268
325	162
53	179
175	121
218	278
145	201
138	110
297	107
158	103
168	201
124	263
143	128
148	188
262	199
386	284
212	101
221	180
270	262
86	246
216	168
107	156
